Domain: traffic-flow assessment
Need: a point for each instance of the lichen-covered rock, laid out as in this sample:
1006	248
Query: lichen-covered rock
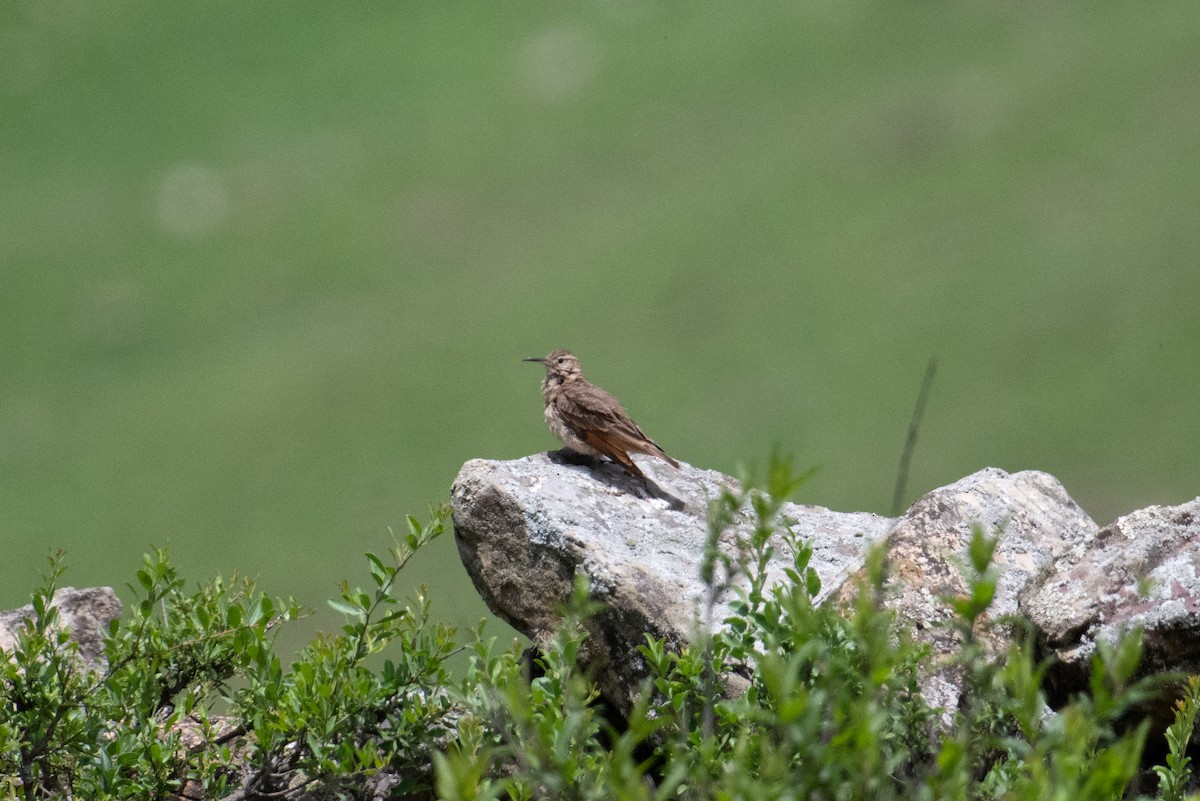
1036	522
1142	570
525	528
84	613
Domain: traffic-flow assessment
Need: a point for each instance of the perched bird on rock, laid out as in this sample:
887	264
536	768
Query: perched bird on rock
589	420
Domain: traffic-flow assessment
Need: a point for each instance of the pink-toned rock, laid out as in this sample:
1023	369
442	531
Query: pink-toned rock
1037	523
1141	571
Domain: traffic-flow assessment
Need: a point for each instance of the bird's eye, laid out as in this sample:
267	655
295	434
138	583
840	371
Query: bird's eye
561	360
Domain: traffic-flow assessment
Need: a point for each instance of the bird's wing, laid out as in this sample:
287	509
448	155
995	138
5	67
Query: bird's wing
589	408
594	414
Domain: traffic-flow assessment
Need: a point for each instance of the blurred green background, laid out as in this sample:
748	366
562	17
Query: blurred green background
268	270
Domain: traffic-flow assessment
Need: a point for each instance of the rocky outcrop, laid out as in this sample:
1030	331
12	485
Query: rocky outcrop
1141	571
1036	523
526	527
84	613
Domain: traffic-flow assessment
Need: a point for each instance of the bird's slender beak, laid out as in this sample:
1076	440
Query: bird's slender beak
541	359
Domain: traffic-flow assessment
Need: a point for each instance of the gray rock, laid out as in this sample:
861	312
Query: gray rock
84	613
525	528
1037	523
1142	570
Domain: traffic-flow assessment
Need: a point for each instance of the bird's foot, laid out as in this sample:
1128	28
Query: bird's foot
568	456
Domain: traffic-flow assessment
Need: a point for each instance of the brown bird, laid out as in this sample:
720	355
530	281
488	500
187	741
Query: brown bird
589	420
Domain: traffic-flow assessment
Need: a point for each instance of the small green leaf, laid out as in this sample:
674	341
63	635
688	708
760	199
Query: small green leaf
813	582
397	614
379	572
982	593
981	548
345	608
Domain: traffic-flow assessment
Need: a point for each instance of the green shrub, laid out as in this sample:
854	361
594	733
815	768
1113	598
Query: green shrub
1175	775
332	716
828	704
784	700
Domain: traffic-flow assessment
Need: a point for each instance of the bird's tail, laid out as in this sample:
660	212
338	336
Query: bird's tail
661	454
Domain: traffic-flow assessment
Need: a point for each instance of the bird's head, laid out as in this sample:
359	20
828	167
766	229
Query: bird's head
561	366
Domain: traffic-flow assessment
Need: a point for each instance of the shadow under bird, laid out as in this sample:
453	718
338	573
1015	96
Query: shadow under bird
589	420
